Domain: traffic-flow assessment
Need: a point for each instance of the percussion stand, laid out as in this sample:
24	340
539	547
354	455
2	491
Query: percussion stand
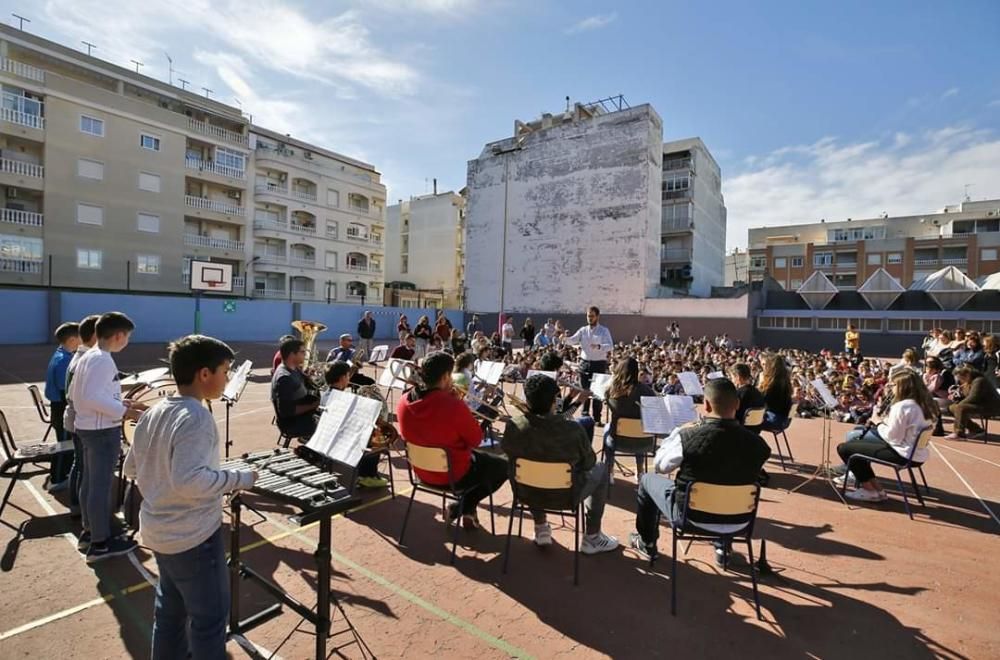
824	469
228	443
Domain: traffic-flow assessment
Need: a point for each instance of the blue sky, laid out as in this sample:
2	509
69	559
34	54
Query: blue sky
813	109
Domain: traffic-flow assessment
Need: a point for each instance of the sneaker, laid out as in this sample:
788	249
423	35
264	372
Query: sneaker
59	486
111	548
851	481
83	543
598	543
470	522
543	534
954	436
720	557
645	551
865	495
372	482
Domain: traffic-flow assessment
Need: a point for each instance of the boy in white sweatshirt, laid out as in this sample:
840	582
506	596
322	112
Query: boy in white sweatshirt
175	461
97	400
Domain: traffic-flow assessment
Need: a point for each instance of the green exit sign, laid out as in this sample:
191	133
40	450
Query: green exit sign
229	305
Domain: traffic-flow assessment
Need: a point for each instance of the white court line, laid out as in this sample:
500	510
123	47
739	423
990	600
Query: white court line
957	474
971	455
42	502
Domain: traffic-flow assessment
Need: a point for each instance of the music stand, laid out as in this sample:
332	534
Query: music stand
233	392
379	354
824	468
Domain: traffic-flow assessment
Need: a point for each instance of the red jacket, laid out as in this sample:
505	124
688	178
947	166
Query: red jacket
440	419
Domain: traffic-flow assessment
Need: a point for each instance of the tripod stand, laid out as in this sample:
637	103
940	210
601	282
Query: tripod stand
824	468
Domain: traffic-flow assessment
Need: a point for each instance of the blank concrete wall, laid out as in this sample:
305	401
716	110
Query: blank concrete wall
26	317
157	318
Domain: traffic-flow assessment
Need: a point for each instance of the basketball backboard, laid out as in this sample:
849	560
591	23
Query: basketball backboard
211	276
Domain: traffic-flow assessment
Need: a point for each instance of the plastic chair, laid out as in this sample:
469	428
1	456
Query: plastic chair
42	408
14	458
739	506
544	476
921	443
629	438
781	432
753	418
436	459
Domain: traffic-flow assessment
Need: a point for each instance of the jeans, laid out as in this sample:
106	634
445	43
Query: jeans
76	476
587	371
421	348
366	346
368	465
594	494
609	450
775	422
588	425
485	476
869	443
101	449
193	590
964	413
61	465
655	497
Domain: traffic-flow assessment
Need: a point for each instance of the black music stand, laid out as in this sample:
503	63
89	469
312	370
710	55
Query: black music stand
824	468
231	396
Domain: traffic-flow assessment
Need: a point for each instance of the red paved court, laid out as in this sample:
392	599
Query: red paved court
852	582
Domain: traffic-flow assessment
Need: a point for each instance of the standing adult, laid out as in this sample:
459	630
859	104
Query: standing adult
403	328
423	332
473	326
550	329
675	333
366	332
595	343
528	333
852	340
507	336
442	327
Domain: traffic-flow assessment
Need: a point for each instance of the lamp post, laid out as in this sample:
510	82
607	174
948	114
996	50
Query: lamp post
329	285
497	151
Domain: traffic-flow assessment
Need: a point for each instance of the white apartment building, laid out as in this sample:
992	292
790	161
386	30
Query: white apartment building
567	213
425	246
693	222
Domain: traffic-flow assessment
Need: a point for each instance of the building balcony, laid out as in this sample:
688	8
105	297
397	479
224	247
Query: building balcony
676	164
675	225
31	266
22	70
217	132
270	293
214	205
675	255
22	218
212	167
214	243
927	262
271	189
357	237
302	262
304	194
304	294
238	281
668	195
18	168
269	225
22	118
301	228
279	259
958	261
373	269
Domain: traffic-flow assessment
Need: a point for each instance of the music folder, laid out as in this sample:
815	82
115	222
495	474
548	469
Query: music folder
661	415
690	383
237	382
489	372
599	384
824	392
345	427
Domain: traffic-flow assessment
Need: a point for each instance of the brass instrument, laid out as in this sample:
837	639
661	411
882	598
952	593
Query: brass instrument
357	361
312	367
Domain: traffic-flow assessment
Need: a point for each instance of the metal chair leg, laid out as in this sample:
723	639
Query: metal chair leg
916	488
520	521
392	481
493	525
458	523
576	546
753	578
10	488
673	575
777	445
906	500
788	447
927	489
510	530
406	516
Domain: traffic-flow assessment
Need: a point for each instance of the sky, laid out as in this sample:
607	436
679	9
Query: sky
812	109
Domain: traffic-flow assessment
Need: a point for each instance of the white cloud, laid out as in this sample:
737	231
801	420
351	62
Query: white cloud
437	7
949	93
595	22
994	103
903	174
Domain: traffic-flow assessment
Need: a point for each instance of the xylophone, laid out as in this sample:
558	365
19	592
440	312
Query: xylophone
296	479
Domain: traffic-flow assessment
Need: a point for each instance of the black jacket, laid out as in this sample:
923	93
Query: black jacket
366	330
750	397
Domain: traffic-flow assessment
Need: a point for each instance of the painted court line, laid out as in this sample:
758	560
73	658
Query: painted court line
965	453
971	490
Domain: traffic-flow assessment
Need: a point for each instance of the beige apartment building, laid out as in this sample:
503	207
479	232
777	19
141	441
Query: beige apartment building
909	248
113	180
425	247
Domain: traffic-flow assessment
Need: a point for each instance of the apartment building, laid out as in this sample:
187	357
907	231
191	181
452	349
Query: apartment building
425	248
693	222
318	223
909	248
113	180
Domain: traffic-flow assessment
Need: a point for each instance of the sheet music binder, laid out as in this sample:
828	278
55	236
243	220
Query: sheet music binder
661	415
345	427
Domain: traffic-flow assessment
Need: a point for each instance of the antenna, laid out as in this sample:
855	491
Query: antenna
22	19
89	46
137	64
967	186
170	68
184	83
208	92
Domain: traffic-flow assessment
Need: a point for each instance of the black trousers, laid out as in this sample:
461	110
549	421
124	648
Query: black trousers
587	370
869	444
485	476
60	467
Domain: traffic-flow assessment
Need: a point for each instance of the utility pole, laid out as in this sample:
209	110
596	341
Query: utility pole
184	83
89	46
22	20
208	92
137	64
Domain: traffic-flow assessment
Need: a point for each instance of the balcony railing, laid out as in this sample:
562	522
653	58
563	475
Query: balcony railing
23	218
19	168
304	194
675	254
270	225
272	188
215	243
364	268
21	69
302	262
304	294
925	262
301	228
956	261
269	293
675	224
677	164
271	258
214	168
20	266
676	194
213	205
22	118
217	132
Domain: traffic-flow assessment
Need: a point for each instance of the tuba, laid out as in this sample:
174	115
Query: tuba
312	367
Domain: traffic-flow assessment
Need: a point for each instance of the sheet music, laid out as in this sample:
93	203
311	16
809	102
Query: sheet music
824	392
345	427
551	374
148	376
599	384
656	418
681	408
716	374
489	372
386	378
237	382
379	353
690	383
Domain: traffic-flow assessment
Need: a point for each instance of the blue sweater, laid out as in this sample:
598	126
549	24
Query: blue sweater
55	375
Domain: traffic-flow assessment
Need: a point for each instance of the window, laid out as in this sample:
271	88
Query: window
758	263
89	214
230	158
90	169
91	126
875	259
823	259
894	258
331	228
333	198
331	260
845	281
88	259
148	264
871	324
20	247
359	203
150	142
780	262
149	222
149	182
856	234
796	262
988	254
795	284
789	323
404	264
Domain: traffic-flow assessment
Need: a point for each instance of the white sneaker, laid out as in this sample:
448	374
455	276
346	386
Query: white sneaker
598	543
851	481
543	534
865	495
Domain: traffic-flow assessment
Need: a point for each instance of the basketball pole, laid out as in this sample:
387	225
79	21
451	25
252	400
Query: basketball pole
197	312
